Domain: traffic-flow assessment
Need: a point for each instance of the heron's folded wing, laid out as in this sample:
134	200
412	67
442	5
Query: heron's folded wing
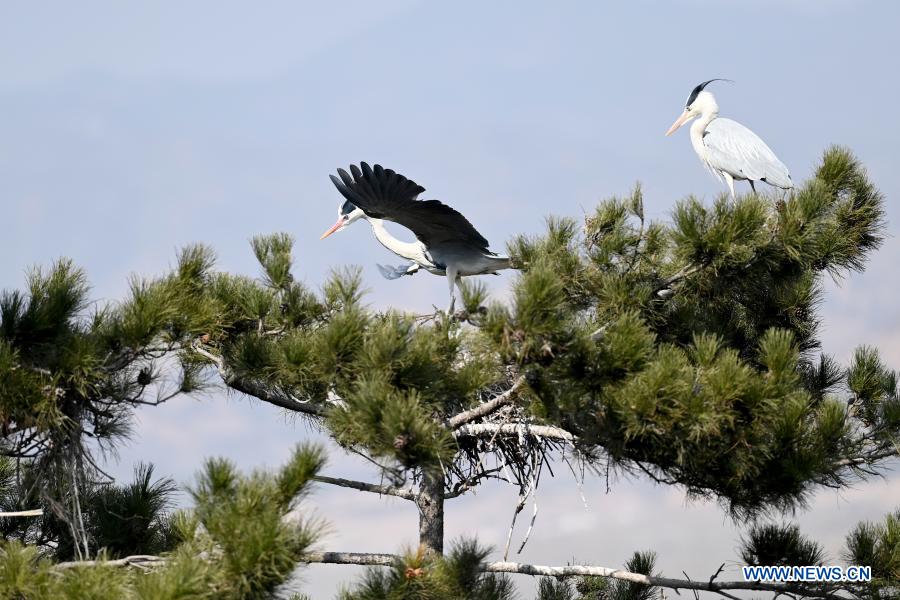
384	194
735	149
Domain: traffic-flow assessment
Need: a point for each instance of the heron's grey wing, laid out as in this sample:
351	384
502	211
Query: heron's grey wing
733	148
436	224
384	194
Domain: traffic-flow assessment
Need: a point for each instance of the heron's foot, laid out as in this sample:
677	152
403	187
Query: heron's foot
391	272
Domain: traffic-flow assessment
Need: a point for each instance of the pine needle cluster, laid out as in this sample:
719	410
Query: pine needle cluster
241	541
422	576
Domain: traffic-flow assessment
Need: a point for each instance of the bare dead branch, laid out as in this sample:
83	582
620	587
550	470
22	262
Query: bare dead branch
351	558
727	595
534	514
665	291
138	560
540	431
384	490
885	451
23	513
467	484
684	273
717	573
387	560
822	591
512	526
488	407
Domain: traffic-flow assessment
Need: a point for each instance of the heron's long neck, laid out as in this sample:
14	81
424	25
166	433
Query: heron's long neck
407	250
698	128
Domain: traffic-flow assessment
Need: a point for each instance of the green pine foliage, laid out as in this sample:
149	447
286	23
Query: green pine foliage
240	541
878	546
602	588
117	519
684	350
132	519
550	588
72	371
424	576
688	351
771	544
243	520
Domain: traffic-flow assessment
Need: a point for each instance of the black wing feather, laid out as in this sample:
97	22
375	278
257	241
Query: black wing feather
345	177
345	190
385	194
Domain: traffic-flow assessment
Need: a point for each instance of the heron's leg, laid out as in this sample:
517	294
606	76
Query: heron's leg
452	277
730	181
458	284
752	187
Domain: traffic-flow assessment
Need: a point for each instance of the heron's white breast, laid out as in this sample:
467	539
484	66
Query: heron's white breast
698	129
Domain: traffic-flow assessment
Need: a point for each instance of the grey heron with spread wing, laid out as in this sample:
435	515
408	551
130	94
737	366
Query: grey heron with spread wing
446	243
727	148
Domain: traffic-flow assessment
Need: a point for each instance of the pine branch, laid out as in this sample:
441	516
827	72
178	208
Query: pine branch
256	389
388	560
272	396
488	407
383	490
23	513
351	558
821	591
541	431
682	274
873	456
665	291
469	483
138	560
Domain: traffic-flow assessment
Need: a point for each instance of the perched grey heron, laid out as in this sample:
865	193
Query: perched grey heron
446	243
727	148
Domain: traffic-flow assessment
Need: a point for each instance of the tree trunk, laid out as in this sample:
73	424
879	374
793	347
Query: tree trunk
431	512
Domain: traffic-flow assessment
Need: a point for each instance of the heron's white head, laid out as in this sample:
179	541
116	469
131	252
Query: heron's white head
347	214
699	103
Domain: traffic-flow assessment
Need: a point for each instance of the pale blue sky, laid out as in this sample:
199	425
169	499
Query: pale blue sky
130	129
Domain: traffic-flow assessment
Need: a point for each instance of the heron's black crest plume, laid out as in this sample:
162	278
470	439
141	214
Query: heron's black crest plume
347	208
699	89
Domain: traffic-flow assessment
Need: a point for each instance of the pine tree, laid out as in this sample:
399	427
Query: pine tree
686	352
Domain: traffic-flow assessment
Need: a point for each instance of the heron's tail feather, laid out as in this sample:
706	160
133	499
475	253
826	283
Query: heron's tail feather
392	272
499	262
780	180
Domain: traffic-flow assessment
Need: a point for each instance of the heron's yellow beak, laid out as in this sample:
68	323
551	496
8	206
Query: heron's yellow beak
684	118
335	227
